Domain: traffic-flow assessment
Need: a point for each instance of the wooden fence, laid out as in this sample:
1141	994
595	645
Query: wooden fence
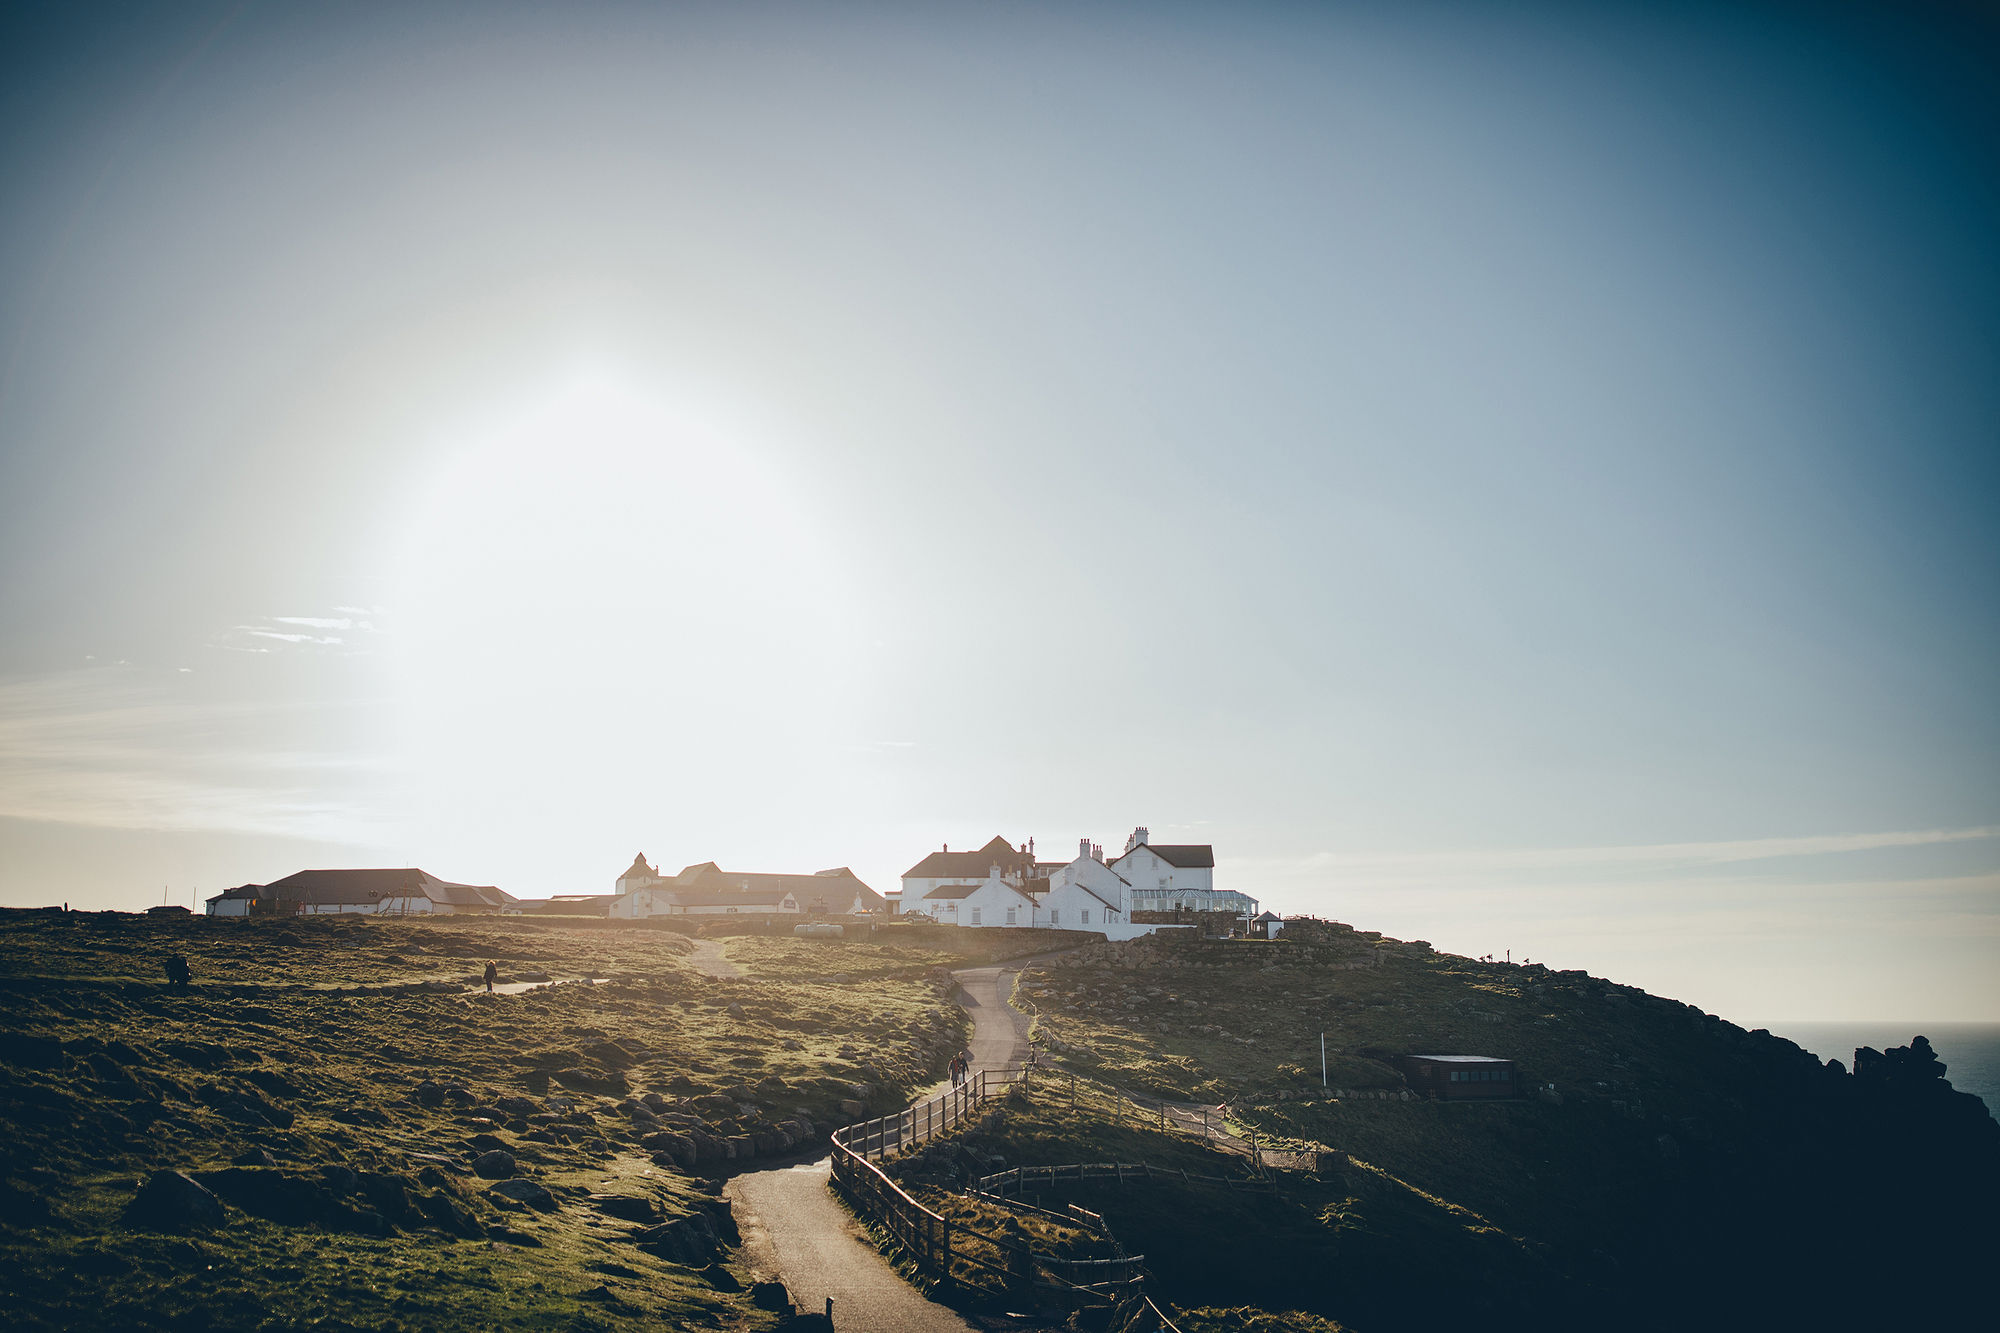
930	1239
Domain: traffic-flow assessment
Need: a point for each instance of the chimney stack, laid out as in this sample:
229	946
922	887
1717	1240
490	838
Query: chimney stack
1138	838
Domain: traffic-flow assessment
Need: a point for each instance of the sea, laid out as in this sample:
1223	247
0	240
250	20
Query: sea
1970	1051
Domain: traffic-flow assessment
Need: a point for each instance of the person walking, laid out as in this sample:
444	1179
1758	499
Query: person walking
492	975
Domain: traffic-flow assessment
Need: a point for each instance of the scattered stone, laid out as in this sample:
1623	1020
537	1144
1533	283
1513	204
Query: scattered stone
172	1201
525	1192
626	1207
253	1157
494	1165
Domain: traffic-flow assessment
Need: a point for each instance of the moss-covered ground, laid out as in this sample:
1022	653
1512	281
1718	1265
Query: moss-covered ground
1663	1168
337	1106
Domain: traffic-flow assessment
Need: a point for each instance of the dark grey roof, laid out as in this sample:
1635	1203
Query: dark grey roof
336	887
1182	856
958	865
1463	1059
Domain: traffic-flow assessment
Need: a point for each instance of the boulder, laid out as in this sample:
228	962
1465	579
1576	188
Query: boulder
171	1201
427	1093
275	1196
525	1192
253	1157
517	1106
626	1207
494	1165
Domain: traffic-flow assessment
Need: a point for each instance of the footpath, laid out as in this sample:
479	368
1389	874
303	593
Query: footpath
794	1229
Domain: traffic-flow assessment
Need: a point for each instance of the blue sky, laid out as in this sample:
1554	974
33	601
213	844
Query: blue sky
1521	478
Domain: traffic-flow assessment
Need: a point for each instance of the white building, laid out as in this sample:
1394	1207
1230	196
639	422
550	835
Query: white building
1176	877
991	902
1085	894
948	869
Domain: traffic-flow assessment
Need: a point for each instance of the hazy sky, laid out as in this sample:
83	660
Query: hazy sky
1521	476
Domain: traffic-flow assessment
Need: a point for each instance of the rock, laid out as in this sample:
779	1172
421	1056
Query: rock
171	1201
253	1157
340	1179
427	1093
735	1010
385	1193
771	1296
526	1192
488	1143
494	1165
609	1083
852	1109
742	1147
442	1210
276	1196
517	1106
626	1207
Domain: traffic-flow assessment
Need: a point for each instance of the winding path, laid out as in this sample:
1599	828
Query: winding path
794	1229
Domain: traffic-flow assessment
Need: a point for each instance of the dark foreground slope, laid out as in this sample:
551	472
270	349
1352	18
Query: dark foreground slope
326	1128
1670	1170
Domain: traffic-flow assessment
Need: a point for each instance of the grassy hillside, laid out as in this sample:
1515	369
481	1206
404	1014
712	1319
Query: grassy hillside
1670	1169
328	1081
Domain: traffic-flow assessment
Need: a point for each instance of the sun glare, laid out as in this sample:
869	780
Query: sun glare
601	588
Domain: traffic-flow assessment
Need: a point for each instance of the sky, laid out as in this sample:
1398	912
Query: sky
1521	477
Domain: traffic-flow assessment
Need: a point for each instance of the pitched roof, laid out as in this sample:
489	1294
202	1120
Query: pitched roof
955	891
1182	856
334	887
720	894
958	865
841	885
638	867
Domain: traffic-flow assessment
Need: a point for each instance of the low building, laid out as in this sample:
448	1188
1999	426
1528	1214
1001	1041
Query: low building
708	890
1459	1077
992	902
1267	925
946	869
404	892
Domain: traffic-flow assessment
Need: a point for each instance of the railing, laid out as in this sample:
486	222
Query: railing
929	1238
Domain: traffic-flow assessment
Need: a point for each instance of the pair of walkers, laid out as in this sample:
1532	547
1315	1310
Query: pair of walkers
961	1067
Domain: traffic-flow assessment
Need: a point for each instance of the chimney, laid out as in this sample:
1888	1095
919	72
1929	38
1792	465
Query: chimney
947	847
1097	851
1082	848
1138	838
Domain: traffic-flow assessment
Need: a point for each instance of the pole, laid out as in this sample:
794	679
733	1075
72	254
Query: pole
1322	1062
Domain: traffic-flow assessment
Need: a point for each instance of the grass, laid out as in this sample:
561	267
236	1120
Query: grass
300	1039
1666	1167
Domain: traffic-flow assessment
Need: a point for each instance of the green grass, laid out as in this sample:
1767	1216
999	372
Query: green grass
1671	1142
106	1075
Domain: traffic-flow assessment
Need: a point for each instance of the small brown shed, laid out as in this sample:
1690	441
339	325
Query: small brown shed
1459	1077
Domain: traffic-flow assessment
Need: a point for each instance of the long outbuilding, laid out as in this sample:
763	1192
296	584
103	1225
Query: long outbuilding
401	892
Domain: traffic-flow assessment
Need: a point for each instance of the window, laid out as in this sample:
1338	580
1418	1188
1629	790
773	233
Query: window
1010	915
1055	916
975	916
1084	916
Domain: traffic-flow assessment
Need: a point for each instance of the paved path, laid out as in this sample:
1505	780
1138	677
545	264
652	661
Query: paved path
794	1229
708	958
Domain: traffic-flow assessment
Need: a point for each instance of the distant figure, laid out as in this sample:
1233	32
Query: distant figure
957	1071
492	974
178	973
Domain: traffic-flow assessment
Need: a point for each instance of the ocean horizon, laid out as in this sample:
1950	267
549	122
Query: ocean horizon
1970	1051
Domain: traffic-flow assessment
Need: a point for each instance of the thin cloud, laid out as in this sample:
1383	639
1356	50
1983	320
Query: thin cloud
118	749
1648	855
